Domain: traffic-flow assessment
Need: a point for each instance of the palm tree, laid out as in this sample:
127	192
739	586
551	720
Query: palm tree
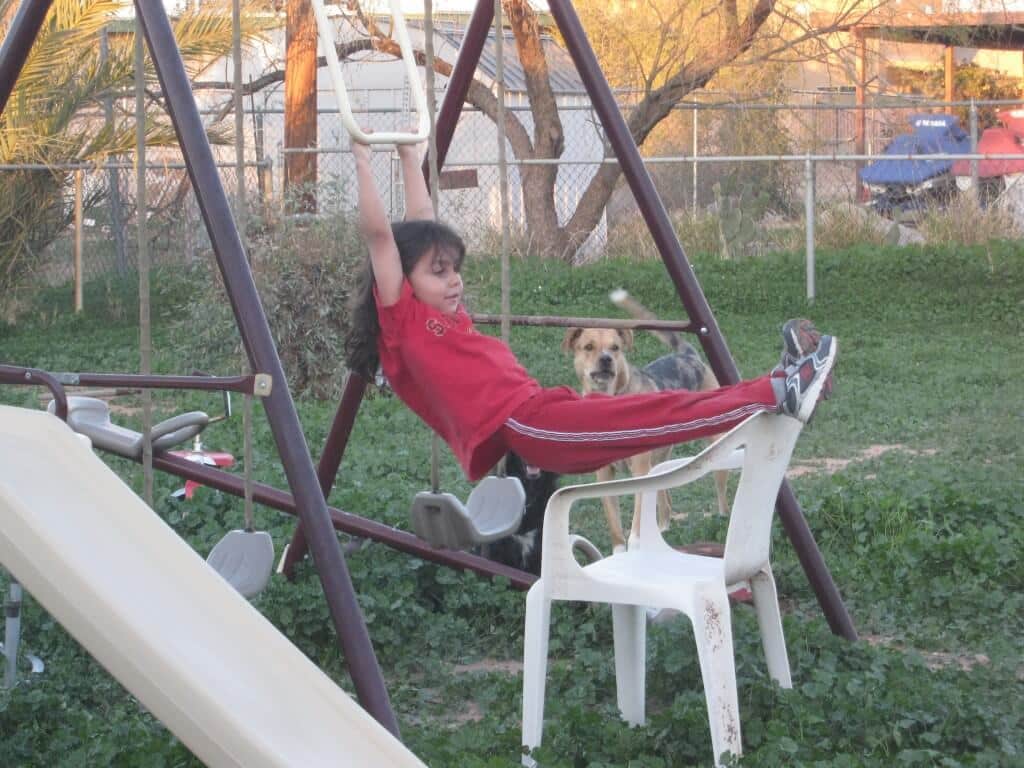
54	115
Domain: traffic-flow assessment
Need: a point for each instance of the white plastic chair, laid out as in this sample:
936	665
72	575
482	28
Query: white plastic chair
651	573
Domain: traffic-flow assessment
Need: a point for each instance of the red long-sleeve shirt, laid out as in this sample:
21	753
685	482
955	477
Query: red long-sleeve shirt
462	383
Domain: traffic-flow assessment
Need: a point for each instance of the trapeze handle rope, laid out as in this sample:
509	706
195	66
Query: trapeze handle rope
499	81
247	459
506	273
430	112
325	33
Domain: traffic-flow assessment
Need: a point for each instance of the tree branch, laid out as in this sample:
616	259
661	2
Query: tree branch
654	107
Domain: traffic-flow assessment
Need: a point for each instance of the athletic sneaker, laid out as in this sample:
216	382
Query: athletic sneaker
799	339
806	379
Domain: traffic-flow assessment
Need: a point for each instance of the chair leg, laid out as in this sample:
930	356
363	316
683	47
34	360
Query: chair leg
535	665
629	630
766	603
712	630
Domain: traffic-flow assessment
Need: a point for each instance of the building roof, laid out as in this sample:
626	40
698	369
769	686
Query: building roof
564	77
917	23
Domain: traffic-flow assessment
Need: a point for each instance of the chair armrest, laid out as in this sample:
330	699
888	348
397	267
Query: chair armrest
732	461
725	453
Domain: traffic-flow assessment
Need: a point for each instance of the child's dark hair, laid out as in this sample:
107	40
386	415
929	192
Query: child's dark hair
415	239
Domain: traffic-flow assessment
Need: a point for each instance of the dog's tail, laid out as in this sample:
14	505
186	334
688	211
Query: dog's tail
620	298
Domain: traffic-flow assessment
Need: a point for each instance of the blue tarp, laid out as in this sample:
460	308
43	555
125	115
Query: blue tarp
931	134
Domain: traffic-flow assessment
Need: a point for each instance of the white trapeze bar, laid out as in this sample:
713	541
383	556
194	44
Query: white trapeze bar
325	33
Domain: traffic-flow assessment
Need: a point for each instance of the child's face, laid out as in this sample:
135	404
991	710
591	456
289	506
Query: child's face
436	282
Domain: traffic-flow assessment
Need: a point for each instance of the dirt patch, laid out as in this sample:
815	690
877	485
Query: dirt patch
506	666
830	465
471	714
934	659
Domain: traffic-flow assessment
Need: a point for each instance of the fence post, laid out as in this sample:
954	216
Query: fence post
78	240
809	215
694	211
264	179
975	191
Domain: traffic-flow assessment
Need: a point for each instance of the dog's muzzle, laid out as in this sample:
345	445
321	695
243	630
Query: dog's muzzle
605	371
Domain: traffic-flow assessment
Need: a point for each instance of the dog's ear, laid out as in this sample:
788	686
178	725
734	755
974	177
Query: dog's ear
571	334
626	335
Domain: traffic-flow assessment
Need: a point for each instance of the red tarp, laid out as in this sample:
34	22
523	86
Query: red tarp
1000	140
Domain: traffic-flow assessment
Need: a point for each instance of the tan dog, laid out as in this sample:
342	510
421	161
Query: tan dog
599	356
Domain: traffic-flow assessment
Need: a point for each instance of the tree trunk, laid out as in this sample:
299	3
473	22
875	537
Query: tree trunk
546	236
300	115
656	105
538	181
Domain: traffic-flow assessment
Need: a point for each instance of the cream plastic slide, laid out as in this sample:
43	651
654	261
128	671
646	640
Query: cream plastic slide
169	628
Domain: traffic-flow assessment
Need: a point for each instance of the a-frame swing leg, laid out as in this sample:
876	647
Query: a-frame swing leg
690	292
21	34
281	414
330	460
263	357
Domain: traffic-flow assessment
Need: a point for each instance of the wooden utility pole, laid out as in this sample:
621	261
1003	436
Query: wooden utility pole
948	67
860	103
300	107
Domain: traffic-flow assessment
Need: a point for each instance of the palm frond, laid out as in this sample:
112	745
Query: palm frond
58	48
51	119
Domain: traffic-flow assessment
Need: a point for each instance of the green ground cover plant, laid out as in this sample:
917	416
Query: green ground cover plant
909	478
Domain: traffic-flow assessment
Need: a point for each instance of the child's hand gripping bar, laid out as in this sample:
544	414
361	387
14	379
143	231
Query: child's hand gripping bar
326	36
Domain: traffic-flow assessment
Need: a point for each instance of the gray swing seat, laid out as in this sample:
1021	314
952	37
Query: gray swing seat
493	511
245	559
90	416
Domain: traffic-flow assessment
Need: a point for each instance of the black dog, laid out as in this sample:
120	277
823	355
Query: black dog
522	549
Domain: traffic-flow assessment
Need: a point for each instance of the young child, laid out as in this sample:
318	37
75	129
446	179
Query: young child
470	389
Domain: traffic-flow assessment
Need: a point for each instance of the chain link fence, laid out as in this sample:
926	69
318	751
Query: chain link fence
708	155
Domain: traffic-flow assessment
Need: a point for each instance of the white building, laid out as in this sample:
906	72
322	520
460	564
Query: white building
381	99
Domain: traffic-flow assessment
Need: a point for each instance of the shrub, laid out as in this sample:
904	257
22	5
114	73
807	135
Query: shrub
630	239
845	225
963	222
305	272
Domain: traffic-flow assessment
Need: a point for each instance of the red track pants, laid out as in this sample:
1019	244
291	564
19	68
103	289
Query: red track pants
563	431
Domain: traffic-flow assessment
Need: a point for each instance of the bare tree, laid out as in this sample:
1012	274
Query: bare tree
662	49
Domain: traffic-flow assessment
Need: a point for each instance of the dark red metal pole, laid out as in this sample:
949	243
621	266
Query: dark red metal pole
18	42
243	384
459	81
259	345
346	522
13	374
330	460
689	290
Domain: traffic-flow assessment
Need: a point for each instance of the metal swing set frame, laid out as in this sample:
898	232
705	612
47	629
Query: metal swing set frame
310	485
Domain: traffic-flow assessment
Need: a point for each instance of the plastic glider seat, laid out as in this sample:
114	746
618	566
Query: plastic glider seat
90	416
494	510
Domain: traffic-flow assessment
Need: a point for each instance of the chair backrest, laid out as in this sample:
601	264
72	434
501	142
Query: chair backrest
761	446
768	441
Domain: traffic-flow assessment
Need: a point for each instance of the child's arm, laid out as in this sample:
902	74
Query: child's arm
417	196
376	231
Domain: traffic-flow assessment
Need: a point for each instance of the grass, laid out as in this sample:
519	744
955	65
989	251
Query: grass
921	528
